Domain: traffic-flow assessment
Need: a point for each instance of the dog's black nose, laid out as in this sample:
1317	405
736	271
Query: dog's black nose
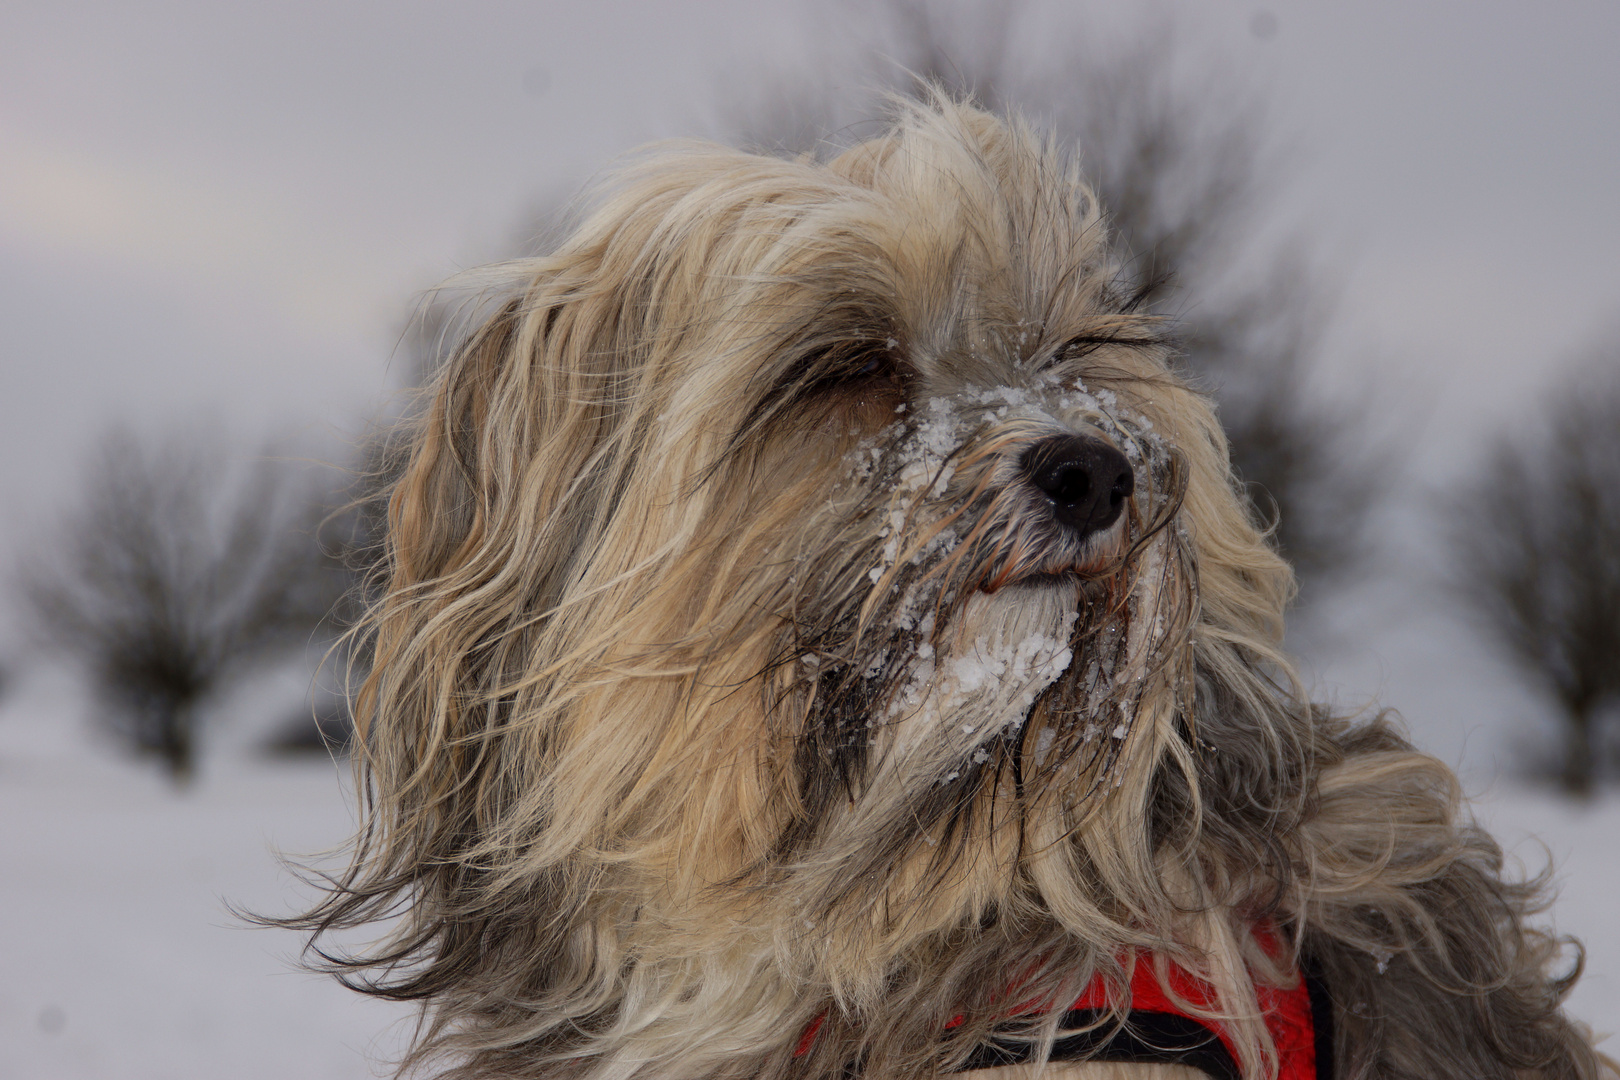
1087	480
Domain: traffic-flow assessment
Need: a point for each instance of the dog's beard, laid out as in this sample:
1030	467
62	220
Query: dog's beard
988	658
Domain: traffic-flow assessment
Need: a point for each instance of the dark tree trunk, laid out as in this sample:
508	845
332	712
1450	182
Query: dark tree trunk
175	744
1580	769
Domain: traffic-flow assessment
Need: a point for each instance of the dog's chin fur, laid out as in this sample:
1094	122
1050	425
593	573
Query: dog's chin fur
730	677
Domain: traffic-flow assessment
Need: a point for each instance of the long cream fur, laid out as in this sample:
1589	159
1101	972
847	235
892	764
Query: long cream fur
729	679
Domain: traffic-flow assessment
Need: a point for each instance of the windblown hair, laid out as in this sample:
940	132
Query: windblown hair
729	681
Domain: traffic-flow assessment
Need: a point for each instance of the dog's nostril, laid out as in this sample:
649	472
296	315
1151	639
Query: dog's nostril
1086	479
1066	482
1124	485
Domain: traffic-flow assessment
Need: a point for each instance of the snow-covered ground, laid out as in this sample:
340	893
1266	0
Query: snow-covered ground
118	953
119	957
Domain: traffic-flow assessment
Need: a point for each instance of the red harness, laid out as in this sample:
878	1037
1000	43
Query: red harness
1159	1029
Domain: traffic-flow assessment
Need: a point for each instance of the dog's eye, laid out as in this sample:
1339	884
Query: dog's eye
878	365
1075	348
1079	347
838	369
855	375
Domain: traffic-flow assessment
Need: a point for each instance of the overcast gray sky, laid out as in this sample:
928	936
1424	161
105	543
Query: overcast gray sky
225	210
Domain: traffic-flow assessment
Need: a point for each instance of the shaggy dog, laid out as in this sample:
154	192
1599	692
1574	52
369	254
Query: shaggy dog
823	635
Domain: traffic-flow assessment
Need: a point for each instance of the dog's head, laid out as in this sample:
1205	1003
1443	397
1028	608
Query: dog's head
810	570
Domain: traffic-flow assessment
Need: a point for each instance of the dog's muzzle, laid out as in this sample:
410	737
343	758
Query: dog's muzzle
1085	479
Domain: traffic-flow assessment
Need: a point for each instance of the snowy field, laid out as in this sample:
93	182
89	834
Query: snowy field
119	955
120	958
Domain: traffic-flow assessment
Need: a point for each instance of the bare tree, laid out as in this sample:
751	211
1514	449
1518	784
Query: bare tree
1536	537
1182	163
175	572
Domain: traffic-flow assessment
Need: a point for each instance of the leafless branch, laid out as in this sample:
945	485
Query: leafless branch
1537	542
